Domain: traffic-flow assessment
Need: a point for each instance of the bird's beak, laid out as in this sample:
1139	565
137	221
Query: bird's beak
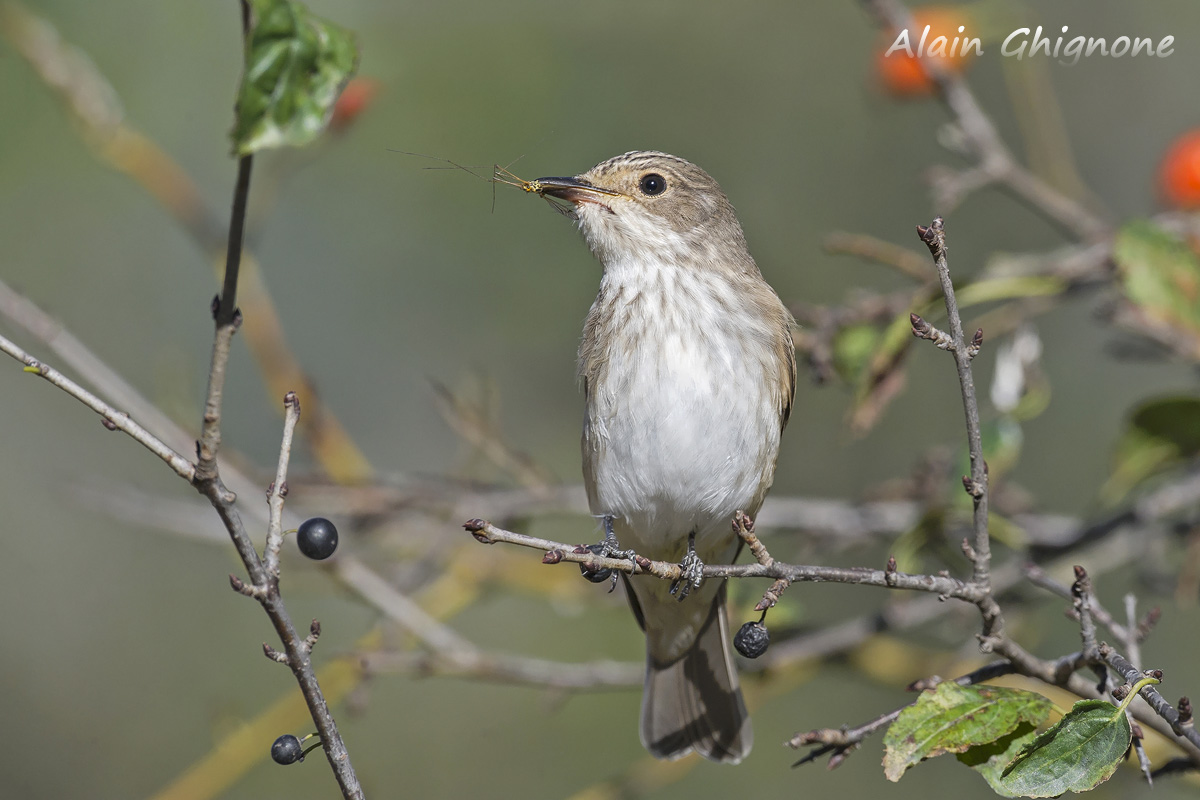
572	190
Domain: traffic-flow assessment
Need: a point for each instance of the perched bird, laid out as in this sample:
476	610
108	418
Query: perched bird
689	370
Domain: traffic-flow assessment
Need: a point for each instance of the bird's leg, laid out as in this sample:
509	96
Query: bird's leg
608	548
692	566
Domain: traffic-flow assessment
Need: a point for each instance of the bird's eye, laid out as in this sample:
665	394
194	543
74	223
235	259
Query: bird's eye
652	184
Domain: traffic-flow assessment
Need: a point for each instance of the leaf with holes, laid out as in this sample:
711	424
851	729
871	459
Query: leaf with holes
296	66
953	718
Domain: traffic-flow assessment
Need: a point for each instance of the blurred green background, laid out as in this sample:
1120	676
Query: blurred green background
125	656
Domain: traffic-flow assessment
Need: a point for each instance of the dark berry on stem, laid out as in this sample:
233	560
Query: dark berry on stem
752	639
286	750
317	537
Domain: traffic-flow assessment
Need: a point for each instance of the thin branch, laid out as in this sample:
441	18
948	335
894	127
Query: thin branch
881	251
1081	593
942	340
841	742
934	238
503	668
112	418
228	320
558	552
1156	701
400	608
208	482
278	490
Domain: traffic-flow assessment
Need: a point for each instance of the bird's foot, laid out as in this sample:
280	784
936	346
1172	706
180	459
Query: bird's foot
692	568
608	548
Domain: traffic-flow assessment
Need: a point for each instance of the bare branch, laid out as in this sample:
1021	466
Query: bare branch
1156	701
278	490
501	668
112	418
934	238
558	552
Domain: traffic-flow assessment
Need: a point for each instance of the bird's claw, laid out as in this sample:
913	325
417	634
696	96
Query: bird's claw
609	548
691	568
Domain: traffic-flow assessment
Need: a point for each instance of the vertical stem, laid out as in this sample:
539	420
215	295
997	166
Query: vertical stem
934	238
237	236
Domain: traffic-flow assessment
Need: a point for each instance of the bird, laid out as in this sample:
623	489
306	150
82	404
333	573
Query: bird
688	369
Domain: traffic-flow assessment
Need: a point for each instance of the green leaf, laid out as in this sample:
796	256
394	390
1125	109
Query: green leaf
990	759
296	66
852	349
953	718
1076	755
1160	275
1160	433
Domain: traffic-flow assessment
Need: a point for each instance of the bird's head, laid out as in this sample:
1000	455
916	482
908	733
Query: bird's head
646	204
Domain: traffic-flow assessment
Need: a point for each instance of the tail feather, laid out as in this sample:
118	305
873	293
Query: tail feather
694	702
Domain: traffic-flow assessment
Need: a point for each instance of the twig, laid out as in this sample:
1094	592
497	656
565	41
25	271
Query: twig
841	742
743	526
871	248
934	238
503	668
207	481
944	341
1081	592
558	552
1156	701
279	488
1038	577
227	319
1133	644
112	418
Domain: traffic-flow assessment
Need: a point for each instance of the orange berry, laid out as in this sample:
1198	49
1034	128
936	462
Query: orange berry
904	75
355	98
1179	175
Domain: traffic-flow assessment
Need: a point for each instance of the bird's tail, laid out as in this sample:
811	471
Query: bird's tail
694	702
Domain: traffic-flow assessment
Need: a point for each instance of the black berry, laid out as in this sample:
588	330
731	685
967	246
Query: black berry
286	750
597	575
752	639
317	537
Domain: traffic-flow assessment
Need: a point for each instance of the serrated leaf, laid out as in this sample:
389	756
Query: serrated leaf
1077	754
953	718
990	759
1160	274
296	65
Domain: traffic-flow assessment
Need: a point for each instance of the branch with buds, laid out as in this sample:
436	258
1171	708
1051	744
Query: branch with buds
977	590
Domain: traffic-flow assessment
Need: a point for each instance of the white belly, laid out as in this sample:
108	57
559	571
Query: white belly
681	433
